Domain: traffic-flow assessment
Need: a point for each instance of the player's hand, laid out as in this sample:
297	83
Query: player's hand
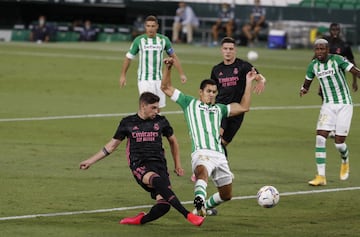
355	85
183	78
179	171
260	85
251	75
122	81
85	165
303	91
169	61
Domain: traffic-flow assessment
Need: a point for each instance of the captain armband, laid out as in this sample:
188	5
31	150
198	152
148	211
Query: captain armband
106	152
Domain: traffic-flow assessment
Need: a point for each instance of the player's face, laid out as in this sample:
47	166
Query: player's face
228	51
150	110
151	28
208	94
321	52
335	31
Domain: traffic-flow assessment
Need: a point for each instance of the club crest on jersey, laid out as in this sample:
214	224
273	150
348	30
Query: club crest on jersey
236	71
156	126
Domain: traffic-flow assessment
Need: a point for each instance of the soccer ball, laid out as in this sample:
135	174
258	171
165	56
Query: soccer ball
268	196
252	55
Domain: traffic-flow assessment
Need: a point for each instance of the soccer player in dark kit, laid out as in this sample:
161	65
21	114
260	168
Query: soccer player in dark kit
339	46
146	158
230	77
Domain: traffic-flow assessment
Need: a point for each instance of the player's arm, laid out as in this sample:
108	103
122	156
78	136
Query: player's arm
166	85
178	66
125	67
356	73
104	152
175	152
244	105
305	87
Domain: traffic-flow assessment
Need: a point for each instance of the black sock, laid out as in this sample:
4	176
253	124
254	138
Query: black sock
157	211
161	187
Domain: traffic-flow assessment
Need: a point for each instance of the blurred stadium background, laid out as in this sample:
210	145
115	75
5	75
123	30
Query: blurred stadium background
300	20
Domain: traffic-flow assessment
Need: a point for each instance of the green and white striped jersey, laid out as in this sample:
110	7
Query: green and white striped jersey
331	75
150	55
203	121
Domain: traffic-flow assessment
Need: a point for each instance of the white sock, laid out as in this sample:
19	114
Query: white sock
344	152
320	154
200	189
213	201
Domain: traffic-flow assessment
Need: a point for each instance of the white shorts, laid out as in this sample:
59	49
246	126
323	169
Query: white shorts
335	117
216	165
153	87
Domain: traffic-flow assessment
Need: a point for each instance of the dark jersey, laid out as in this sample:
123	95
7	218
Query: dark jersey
230	80
339	46
144	138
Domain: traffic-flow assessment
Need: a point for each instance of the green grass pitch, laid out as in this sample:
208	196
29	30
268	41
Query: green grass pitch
61	102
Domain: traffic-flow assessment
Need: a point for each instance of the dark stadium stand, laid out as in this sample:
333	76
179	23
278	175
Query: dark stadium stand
115	17
331	4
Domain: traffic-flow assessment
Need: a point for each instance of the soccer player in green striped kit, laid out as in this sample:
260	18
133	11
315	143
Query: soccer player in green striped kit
337	108
203	117
150	47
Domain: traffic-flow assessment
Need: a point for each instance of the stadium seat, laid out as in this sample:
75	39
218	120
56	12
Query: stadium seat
321	3
64	33
20	33
112	33
306	3
335	4
348	5
66	36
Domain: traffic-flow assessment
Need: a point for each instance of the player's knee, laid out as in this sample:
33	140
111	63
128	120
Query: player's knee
163	206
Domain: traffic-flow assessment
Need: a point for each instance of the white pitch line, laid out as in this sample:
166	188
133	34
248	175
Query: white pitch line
148	206
165	112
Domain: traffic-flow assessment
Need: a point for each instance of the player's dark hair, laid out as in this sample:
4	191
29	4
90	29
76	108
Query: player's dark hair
334	24
228	40
148	98
206	82
151	18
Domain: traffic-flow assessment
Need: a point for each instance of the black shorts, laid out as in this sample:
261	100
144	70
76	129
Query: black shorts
231	125
158	167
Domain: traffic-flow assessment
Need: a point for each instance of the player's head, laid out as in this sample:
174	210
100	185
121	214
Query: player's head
182	4
228	49
334	30
208	91
151	26
321	49
148	105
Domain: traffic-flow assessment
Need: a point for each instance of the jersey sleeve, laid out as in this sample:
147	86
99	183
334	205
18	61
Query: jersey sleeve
213	75
167	131
134	49
181	99
121	132
225	110
343	63
310	71
168	46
